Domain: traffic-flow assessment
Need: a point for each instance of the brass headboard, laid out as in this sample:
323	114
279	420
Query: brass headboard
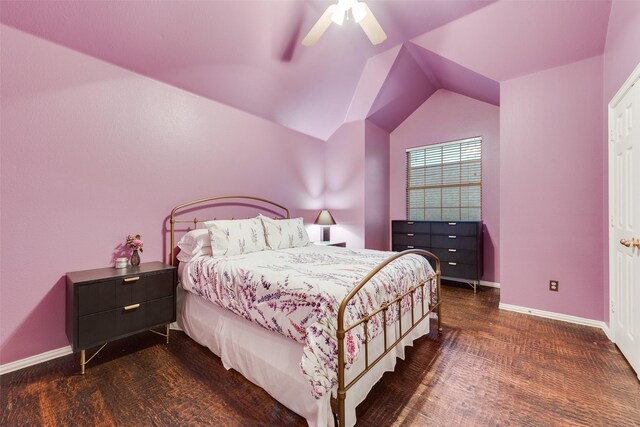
195	221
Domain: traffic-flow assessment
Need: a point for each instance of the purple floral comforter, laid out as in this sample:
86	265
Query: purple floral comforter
297	292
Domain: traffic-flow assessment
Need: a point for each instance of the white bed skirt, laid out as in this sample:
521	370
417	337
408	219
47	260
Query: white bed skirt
272	361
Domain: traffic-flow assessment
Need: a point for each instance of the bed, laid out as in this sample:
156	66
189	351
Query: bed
314	326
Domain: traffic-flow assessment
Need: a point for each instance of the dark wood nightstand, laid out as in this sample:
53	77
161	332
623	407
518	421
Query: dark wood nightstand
330	243
108	303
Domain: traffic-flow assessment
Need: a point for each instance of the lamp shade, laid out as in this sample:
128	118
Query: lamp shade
325	218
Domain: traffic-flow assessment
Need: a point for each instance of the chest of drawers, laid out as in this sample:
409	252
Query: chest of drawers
457	244
107	303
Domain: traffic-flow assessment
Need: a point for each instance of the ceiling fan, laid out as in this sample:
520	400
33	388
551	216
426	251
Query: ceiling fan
338	12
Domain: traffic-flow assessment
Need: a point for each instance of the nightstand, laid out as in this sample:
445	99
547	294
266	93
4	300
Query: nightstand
106	304
330	243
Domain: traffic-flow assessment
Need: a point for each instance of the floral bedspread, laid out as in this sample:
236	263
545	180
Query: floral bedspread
297	292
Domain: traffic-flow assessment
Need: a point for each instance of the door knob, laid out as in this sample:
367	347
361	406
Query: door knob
630	244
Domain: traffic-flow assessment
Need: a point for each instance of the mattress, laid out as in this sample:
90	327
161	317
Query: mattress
296	293
272	361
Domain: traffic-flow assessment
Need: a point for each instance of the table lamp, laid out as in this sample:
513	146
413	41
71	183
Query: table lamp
325	220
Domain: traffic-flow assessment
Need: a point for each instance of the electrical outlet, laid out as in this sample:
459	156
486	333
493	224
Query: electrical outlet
553	285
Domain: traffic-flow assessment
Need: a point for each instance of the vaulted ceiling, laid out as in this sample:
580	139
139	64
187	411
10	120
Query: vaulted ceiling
247	54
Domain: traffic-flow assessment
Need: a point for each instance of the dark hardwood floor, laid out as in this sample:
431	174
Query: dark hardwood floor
488	368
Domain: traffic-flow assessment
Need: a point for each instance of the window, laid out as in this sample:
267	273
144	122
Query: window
444	181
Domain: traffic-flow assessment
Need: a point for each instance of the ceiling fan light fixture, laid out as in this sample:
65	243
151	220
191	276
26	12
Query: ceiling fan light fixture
359	11
338	15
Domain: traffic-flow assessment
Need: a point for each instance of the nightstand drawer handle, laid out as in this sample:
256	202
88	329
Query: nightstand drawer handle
453	250
132	279
410	234
131	307
410	247
453	223
410	222
452	237
453	263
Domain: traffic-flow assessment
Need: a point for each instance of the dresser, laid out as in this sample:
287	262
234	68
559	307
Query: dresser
458	245
106	304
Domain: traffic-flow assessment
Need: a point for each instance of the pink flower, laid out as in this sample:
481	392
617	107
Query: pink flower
134	242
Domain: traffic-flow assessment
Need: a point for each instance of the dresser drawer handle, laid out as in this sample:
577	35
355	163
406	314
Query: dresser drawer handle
453	250
453	223
132	279
131	307
410	234
410	222
453	263
452	237
411	247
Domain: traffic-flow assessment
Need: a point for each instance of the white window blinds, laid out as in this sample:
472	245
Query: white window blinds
444	181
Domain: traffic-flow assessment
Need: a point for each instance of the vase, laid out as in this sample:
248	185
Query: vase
135	258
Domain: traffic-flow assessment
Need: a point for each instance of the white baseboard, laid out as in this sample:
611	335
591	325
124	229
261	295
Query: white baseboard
34	360
605	329
557	316
46	356
489	284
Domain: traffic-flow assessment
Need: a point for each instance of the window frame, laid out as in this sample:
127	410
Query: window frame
446	171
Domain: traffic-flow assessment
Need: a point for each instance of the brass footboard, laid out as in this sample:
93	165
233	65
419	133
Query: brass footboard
434	305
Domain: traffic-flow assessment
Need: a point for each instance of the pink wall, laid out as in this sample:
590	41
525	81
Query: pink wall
376	163
551	178
448	116
92	152
344	183
621	56
356	185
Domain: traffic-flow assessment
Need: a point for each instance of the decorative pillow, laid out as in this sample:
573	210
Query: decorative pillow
193	245
284	233
236	236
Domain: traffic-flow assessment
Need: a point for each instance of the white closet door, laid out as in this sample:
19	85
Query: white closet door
624	235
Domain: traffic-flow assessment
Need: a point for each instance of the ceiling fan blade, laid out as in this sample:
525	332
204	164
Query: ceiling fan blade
319	27
371	27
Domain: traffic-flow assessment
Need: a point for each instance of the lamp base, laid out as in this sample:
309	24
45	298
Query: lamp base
326	231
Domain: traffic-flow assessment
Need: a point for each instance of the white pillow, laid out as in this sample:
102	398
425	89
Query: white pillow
192	245
284	233
184	257
236	236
